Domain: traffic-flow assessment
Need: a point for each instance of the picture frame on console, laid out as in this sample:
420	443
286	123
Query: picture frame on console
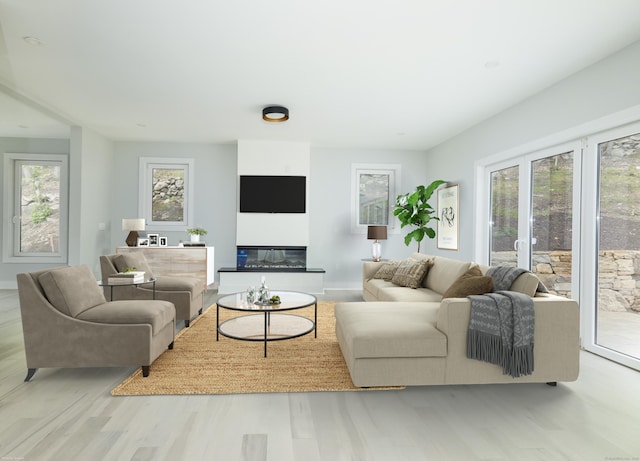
163	241
449	217
153	240
143	242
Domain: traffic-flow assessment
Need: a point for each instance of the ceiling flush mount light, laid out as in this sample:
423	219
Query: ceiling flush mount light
275	114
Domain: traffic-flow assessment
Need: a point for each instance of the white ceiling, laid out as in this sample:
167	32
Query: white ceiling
402	74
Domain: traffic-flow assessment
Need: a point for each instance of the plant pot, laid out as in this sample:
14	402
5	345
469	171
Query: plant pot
195	238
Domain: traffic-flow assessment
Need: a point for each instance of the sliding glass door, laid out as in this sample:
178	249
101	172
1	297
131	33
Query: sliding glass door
613	324
505	199
532	215
571	214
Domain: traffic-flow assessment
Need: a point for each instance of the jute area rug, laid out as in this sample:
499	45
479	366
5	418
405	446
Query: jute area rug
198	364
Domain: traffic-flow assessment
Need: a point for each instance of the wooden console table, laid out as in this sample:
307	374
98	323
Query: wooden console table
179	261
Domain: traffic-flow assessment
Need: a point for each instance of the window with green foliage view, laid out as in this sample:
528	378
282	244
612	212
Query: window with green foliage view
35	209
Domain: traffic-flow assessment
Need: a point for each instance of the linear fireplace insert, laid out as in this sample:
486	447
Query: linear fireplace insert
271	258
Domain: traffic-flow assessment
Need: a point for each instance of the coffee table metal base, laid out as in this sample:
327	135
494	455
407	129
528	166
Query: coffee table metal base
266	326
267	322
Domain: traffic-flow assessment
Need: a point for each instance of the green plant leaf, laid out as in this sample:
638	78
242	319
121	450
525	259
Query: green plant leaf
413	209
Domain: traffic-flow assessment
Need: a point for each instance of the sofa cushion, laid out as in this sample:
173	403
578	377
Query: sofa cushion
410	272
387	271
471	282
123	261
155	313
396	293
444	272
380	329
72	290
375	285
526	283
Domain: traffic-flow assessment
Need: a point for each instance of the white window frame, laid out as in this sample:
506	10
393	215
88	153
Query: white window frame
147	164
591	204
357	169
11	194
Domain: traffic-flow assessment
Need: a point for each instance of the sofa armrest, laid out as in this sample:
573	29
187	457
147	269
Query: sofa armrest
557	342
454	313
369	269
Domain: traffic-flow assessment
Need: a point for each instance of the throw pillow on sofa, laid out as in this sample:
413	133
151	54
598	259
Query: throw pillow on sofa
471	282
387	271
410	272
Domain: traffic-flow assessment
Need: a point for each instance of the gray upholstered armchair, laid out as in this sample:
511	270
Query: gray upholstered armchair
67	323
186	293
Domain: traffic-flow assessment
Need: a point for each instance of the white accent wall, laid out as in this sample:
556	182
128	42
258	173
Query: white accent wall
278	159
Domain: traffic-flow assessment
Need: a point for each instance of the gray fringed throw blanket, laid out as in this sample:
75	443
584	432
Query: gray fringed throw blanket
504	276
502	325
501	331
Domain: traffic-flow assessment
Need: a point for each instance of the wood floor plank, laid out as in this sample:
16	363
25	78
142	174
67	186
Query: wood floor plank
69	414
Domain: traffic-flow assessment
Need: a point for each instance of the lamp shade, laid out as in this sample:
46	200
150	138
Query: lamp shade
133	224
377	233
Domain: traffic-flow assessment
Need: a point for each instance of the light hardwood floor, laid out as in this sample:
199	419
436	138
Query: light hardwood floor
68	414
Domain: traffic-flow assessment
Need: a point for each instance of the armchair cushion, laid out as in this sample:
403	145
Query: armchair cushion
72	290
170	283
155	313
137	260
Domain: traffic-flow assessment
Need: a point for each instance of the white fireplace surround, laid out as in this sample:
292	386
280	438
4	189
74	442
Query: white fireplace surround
278	159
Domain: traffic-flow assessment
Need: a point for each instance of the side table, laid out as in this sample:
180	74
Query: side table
152	280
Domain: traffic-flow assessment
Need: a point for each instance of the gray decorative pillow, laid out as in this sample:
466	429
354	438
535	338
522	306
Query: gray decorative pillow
387	271
471	282
137	260
410	272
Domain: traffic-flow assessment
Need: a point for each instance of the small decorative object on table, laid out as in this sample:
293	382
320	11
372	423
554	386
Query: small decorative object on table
263	292
251	295
275	299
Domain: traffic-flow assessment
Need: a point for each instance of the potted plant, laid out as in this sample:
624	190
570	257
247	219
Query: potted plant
195	233
413	209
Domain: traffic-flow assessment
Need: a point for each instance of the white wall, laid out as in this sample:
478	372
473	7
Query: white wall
332	245
215	192
561	111
90	192
279	159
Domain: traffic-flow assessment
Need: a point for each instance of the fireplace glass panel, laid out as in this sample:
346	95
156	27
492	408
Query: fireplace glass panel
260	258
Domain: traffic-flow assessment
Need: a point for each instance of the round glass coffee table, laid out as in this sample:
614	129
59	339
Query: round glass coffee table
270	322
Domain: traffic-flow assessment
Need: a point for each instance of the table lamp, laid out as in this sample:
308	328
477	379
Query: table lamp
376	233
133	225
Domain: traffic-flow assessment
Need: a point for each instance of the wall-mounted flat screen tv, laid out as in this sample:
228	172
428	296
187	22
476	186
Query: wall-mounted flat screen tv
273	194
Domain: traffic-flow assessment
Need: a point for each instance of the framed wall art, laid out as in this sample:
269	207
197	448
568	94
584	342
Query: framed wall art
449	215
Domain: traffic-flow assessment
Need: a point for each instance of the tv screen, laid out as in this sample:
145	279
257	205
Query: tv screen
273	194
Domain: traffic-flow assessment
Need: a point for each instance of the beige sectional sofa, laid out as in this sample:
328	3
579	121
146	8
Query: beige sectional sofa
405	336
